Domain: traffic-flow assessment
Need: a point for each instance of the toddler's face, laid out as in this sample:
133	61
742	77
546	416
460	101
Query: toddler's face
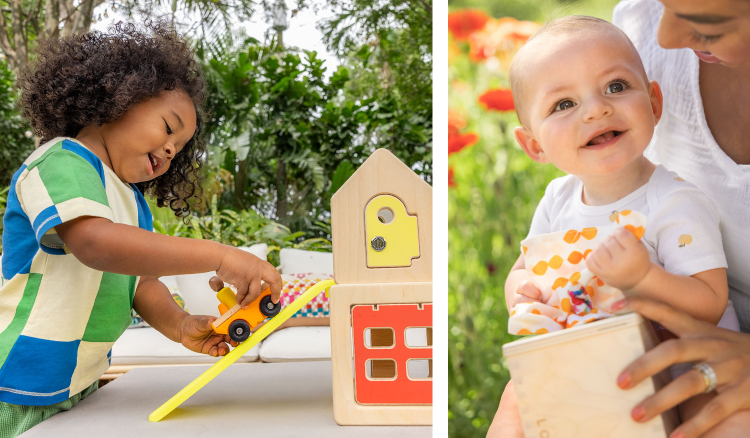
144	141
590	110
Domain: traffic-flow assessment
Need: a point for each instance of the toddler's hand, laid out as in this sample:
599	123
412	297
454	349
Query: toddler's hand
527	293
245	271
620	261
197	334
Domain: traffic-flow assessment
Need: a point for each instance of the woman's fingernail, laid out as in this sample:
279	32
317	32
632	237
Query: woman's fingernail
617	305
624	380
638	413
677	434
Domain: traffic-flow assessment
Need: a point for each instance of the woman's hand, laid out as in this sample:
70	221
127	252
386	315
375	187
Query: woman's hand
726	351
197	334
245	271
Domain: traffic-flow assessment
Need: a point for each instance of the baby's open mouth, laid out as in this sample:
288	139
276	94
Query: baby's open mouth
601	138
153	162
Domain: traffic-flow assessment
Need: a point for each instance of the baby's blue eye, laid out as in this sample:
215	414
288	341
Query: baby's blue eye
615	87
563	105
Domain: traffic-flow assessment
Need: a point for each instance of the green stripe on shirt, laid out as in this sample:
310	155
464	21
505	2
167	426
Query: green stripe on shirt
110	315
56	147
23	310
70	176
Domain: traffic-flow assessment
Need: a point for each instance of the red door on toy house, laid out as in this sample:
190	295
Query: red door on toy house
393	353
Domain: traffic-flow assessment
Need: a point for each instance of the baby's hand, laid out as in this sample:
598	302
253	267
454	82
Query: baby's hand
527	293
620	261
197	334
245	271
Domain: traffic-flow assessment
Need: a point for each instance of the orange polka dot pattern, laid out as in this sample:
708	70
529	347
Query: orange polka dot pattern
554	263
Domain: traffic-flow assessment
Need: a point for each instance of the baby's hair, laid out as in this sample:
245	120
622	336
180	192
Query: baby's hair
556	27
94	78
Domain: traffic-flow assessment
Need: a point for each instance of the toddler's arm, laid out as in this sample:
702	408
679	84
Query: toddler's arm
703	295
622	261
123	249
155	305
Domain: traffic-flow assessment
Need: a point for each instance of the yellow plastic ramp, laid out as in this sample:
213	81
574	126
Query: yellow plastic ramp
241	349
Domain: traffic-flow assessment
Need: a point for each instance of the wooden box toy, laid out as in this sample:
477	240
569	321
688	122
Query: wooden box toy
566	381
381	221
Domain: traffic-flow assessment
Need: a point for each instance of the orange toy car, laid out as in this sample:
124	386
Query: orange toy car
237	322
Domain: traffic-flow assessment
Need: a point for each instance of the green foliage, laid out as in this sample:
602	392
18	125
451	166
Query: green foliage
387	46
15	146
243	228
342	173
283	131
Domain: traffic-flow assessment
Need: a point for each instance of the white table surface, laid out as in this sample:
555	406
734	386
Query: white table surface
246	400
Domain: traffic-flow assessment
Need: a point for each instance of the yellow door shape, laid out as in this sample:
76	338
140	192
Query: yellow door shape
391	234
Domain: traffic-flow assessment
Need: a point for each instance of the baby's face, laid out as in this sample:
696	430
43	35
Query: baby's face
142	144
587	106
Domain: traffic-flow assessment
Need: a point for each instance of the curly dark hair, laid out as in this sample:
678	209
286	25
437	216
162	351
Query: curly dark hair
94	78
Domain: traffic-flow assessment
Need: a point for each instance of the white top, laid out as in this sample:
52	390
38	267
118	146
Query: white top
682	233
684	143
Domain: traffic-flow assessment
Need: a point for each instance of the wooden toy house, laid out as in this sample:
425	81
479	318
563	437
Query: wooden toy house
381	222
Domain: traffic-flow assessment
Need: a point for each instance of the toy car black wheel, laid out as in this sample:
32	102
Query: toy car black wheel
268	308
239	330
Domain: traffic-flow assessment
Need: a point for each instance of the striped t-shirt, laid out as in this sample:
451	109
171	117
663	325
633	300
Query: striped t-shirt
58	317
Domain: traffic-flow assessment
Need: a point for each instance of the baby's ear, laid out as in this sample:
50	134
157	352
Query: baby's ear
528	143
657	100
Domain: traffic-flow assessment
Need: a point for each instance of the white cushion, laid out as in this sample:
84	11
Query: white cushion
298	261
146	346
297	344
171	283
199	298
259	250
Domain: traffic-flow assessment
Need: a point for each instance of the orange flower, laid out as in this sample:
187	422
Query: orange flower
464	22
451	182
456	119
500	99
461	87
501	39
454	51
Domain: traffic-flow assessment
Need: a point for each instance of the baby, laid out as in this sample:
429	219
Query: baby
587	106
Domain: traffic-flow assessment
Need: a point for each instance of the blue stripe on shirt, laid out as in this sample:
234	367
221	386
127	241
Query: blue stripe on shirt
38	371
47	219
19	241
145	220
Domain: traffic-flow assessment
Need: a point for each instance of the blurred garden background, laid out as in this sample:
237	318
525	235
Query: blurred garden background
287	125
494	189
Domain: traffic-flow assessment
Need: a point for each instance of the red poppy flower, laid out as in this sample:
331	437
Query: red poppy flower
500	99
465	22
458	141
451	182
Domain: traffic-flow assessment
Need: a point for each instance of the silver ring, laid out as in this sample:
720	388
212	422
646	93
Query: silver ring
709	376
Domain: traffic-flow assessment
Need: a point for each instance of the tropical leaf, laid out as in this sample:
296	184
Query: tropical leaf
342	173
